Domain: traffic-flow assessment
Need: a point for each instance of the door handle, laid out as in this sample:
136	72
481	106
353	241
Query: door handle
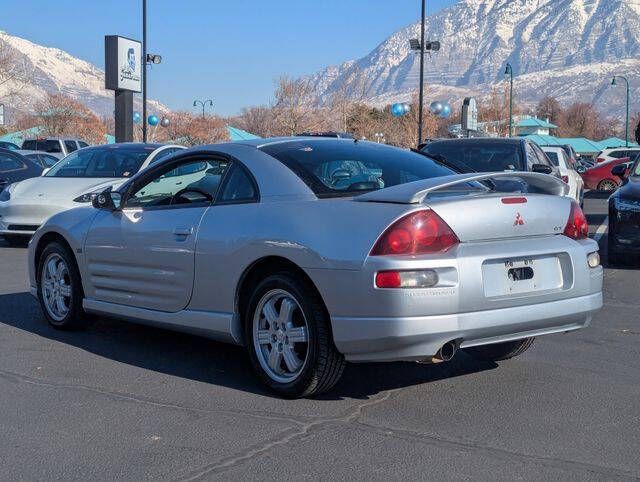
183	231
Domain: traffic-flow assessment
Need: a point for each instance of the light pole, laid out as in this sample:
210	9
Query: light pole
626	124
509	71
421	102
419	45
144	70
379	136
202	103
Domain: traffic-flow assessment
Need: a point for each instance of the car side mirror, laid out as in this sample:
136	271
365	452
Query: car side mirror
108	200
340	175
541	168
620	170
45	170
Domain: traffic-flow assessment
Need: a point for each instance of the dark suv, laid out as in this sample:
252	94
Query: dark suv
55	145
492	154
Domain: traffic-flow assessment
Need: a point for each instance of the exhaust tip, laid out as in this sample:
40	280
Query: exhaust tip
446	352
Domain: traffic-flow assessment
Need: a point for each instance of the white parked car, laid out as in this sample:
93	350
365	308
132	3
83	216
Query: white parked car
617	153
72	182
568	173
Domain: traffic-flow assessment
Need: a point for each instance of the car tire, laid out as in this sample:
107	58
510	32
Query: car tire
60	288
286	305
16	241
500	351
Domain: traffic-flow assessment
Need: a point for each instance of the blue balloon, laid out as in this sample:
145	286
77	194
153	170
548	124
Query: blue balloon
446	111
136	117
436	107
397	110
153	120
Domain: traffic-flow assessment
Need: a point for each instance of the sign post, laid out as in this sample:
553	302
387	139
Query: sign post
123	74
469	115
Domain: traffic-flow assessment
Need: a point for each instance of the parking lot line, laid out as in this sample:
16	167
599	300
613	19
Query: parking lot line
601	230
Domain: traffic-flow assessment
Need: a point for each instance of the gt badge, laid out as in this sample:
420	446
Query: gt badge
519	221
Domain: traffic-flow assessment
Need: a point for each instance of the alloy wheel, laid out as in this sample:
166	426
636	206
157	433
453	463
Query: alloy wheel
607	185
56	287
280	336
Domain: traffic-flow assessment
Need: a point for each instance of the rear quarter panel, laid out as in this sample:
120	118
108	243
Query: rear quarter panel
330	234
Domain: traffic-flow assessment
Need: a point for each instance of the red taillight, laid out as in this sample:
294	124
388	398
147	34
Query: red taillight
417	233
577	226
514	200
600	159
565	179
388	279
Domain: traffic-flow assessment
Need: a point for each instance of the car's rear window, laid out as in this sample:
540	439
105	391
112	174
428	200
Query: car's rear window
46	145
334	168
481	156
553	157
111	161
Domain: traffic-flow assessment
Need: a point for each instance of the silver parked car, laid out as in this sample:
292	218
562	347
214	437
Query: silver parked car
315	251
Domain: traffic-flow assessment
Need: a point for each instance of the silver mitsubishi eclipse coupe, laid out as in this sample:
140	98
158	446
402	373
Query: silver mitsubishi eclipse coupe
312	252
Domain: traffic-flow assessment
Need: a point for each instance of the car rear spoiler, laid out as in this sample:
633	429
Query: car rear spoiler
417	191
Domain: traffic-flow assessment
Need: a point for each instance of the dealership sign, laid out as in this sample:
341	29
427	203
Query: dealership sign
123	63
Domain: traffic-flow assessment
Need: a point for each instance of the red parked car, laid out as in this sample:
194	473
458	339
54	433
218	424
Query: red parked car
600	178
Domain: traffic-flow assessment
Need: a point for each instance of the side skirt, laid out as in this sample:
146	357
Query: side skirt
215	325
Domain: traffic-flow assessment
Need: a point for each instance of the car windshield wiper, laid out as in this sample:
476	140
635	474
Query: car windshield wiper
457	166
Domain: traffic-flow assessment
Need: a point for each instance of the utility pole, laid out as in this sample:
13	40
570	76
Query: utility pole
509	71
421	101
144	70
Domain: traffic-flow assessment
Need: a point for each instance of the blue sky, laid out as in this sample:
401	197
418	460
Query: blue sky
226	50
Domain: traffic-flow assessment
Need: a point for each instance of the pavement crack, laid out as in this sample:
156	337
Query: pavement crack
283	438
16	377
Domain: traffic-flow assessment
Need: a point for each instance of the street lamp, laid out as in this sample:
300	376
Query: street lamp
202	103
379	136
419	45
626	124
146	59
509	71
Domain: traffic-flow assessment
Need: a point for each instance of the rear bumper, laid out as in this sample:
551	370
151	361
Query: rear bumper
419	338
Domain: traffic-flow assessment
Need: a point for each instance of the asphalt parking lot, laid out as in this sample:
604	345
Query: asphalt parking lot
121	401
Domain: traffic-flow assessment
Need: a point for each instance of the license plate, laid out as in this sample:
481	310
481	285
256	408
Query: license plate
513	276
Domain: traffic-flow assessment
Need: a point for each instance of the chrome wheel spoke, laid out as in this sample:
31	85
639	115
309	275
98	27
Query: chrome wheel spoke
48	284
287	308
65	290
270	312
60	306
264	337
290	358
52	269
297	335
275	359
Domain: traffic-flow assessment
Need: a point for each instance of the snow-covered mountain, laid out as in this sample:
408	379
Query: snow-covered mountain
40	70
566	48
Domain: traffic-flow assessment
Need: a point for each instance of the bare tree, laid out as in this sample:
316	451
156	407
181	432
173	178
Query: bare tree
257	120
58	115
348	93
294	105
191	130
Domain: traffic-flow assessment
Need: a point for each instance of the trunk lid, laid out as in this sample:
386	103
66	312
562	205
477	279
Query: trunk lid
492	217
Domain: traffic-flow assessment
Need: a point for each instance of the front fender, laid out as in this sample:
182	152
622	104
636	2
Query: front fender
73	226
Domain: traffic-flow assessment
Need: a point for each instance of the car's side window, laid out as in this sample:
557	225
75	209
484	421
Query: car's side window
617	154
239	187
531	156
10	163
191	182
71	146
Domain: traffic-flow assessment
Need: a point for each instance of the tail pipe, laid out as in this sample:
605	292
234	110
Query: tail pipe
446	352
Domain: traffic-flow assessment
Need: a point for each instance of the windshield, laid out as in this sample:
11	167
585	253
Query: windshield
108	161
481	156
334	168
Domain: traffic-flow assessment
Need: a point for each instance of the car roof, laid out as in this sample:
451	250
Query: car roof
126	146
492	140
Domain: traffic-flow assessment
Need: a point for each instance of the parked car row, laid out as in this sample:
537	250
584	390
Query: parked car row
313	251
